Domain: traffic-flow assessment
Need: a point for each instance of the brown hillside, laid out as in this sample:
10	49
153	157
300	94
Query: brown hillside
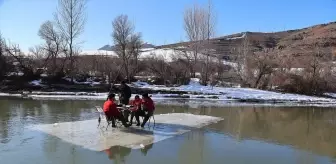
298	43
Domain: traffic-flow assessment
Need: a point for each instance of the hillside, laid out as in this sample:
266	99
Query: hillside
292	47
112	48
297	43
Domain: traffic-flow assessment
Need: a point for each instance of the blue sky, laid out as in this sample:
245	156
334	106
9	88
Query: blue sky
161	21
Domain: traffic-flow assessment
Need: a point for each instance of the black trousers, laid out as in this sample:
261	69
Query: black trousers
113	118
133	113
142	113
126	114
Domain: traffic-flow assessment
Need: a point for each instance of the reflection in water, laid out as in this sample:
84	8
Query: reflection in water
304	131
145	150
118	153
308	129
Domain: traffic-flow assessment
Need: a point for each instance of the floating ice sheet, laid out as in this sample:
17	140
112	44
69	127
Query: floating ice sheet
87	135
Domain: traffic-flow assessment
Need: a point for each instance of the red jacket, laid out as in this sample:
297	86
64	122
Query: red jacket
148	104
136	104
111	108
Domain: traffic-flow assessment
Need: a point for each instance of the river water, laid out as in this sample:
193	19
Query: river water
248	134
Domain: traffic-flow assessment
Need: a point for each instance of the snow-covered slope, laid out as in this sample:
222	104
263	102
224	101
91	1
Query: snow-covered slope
243	94
166	54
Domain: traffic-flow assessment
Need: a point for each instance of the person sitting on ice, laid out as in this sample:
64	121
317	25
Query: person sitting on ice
147	111
111	111
136	107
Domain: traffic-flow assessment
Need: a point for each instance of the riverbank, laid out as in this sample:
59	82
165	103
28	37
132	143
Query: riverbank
91	90
192	91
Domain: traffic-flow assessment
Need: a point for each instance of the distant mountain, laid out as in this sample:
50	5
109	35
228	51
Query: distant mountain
111	48
106	48
147	45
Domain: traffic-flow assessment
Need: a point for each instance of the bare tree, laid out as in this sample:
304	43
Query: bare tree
127	42
199	25
135	47
315	69
179	71
109	67
70	19
209	31
241	56
38	56
4	65
159	67
187	57
54	45
193	18
263	64
25	63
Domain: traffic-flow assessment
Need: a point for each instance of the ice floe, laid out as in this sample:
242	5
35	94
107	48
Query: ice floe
87	135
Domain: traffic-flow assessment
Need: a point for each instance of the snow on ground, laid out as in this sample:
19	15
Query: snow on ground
166	54
88	81
194	91
36	82
15	73
232	64
9	95
68	97
238	37
333	95
44	75
86	134
247	94
99	52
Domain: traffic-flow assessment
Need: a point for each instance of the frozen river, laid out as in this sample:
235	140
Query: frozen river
245	134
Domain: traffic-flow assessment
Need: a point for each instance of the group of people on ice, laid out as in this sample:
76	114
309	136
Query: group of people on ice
140	107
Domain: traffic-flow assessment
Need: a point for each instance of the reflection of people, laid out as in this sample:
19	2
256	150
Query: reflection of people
147	111
111	111
145	150
136	106
118	151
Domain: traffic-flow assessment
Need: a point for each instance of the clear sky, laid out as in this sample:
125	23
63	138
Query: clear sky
161	21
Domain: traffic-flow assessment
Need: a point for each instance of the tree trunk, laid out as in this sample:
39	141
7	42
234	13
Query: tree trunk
258	80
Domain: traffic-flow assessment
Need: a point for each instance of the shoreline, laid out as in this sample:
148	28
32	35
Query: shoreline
163	98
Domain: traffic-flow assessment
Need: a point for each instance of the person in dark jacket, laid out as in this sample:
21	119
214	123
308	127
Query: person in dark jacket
125	93
124	97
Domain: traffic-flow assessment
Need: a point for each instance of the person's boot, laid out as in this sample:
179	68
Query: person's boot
144	122
127	125
137	120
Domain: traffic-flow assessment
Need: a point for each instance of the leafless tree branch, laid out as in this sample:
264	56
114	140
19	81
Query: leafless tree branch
127	42
70	19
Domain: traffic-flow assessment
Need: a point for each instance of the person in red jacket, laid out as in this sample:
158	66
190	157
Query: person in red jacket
136	107
111	111
147	111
